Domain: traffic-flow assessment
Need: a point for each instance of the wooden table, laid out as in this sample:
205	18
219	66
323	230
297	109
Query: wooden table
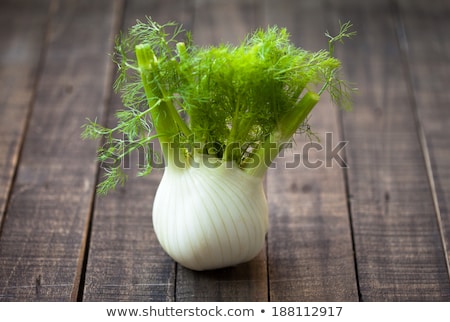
370	222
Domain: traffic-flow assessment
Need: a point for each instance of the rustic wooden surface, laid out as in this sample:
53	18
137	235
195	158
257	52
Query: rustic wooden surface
377	229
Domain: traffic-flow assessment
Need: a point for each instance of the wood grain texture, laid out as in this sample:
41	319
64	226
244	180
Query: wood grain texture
225	21
126	262
398	246
310	246
221	21
44	229
22	35
423	34
378	230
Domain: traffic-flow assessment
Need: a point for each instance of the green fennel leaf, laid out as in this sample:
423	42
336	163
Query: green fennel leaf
233	103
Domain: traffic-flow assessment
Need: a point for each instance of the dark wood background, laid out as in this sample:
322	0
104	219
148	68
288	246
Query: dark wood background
377	230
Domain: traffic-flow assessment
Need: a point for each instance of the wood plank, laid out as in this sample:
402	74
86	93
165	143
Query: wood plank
423	32
398	247
310	246
126	262
41	246
225	21
22	35
221	21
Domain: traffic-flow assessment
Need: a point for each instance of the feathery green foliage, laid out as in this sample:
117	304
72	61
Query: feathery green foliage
233	103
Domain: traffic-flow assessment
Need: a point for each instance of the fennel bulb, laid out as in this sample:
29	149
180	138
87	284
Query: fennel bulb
219	219
237	106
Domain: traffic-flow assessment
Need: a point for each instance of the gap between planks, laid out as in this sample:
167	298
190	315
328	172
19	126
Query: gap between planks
80	277
402	38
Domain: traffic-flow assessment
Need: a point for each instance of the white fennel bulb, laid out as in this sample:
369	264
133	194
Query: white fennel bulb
208	218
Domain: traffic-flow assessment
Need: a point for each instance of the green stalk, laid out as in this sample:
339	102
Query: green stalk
232	149
167	122
264	156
